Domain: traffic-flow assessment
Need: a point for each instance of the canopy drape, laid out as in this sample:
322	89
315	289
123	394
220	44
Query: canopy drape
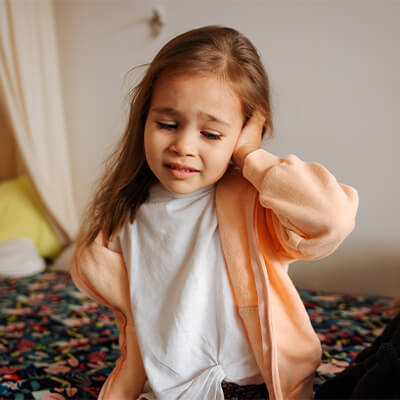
33	129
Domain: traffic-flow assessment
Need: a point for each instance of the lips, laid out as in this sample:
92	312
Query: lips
181	171
181	167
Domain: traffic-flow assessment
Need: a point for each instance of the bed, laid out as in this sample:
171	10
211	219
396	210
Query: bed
57	344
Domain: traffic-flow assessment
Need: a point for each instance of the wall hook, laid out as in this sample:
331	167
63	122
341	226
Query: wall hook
156	22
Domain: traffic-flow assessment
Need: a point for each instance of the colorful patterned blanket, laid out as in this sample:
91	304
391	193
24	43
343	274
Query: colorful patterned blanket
56	344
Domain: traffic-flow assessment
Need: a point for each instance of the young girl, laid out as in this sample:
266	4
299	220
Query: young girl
190	235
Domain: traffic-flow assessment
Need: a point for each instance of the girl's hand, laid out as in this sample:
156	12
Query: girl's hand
249	139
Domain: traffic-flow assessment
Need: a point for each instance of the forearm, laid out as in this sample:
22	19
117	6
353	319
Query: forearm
313	213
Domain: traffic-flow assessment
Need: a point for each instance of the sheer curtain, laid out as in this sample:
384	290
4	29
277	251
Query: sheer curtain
33	131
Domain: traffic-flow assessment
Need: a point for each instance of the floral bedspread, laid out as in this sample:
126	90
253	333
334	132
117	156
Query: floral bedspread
56	344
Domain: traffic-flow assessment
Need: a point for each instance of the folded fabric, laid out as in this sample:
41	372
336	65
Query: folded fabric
19	257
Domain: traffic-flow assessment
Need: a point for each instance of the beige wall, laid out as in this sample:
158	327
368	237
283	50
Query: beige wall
335	83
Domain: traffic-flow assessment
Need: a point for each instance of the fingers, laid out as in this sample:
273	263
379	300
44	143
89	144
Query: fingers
256	122
250	138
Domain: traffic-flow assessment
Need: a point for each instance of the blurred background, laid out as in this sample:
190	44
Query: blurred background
66	71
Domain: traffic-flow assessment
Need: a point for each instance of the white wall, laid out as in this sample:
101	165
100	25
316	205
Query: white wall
334	70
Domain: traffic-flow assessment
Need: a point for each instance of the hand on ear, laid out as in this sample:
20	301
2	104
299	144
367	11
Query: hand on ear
249	139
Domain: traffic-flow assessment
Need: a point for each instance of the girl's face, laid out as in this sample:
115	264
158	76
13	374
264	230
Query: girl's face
191	130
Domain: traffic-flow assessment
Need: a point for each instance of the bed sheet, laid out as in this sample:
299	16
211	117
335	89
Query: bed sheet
57	344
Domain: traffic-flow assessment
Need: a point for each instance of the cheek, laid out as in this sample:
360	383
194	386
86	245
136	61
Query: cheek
146	142
149	150
230	147
223	157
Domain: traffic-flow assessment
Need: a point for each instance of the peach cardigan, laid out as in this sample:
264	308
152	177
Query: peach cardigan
284	210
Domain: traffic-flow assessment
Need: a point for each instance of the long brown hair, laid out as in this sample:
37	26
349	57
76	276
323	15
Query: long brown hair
125	184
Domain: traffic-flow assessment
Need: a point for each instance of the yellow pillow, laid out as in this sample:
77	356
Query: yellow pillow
22	215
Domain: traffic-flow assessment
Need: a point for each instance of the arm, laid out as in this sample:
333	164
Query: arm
100	274
308	212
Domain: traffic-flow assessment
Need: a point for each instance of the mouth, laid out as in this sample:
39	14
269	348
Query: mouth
181	167
181	171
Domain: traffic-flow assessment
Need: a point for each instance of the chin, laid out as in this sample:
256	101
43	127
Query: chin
182	187
179	190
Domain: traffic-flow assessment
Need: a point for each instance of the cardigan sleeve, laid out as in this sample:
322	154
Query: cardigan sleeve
308	212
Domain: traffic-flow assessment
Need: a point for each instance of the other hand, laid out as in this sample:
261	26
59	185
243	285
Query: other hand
249	139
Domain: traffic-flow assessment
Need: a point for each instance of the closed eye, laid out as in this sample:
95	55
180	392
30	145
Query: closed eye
212	136
169	127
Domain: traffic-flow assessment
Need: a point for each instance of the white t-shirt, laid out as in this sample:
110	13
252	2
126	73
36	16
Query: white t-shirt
188	330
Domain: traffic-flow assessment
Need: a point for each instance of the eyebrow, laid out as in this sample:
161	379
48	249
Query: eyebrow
175	113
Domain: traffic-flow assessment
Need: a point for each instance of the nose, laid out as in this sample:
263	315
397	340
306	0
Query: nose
184	143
